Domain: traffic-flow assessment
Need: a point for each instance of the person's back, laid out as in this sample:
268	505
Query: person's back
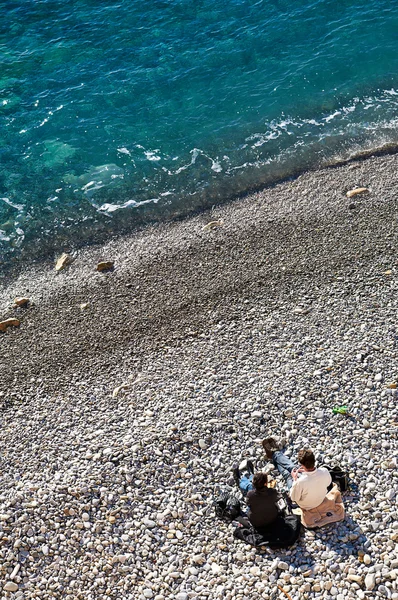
262	502
310	488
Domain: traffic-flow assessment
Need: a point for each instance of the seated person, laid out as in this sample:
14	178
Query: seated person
264	523
307	485
261	500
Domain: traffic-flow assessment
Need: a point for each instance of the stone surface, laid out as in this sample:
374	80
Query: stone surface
106	265
10	586
356	191
21	301
213	225
63	261
370	581
9	323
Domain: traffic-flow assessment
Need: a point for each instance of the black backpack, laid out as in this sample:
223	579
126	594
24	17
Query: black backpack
338	476
226	506
282	533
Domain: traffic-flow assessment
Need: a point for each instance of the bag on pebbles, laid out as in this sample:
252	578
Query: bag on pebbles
226	506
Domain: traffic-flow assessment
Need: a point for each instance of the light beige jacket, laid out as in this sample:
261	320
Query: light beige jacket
330	510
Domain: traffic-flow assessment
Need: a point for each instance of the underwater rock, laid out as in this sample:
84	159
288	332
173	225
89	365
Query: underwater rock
56	153
95	177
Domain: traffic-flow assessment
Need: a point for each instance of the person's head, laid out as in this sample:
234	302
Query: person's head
260	480
306	458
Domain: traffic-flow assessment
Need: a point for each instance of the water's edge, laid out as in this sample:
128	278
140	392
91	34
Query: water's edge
40	255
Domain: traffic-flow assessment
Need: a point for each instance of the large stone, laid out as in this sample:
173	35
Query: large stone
10	586
105	265
356	191
299	310
370	582
119	388
63	261
149	523
356	578
9	323
213	225
21	301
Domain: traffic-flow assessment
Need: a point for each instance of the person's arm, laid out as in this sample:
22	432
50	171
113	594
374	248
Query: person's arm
329	478
248	498
295	492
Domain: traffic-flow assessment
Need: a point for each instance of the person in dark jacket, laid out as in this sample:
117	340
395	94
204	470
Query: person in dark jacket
262	502
260	499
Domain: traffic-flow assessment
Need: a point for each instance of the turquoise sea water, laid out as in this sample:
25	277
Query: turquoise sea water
115	113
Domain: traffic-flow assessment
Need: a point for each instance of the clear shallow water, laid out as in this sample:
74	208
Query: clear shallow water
112	114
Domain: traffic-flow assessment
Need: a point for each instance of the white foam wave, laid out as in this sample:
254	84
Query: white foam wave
332	116
152	155
124	151
18	207
195	153
109	208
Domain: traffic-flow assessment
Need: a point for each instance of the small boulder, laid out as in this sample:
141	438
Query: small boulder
63	261
356	578
10	586
9	323
213	225
356	191
21	301
118	389
370	582
106	265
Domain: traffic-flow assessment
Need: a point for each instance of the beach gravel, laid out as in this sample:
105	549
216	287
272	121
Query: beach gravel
120	421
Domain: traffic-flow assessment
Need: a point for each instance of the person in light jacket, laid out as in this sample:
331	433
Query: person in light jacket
307	484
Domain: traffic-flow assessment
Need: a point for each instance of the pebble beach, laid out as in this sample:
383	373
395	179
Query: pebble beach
126	395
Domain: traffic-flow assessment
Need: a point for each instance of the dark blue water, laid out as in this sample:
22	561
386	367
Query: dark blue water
115	113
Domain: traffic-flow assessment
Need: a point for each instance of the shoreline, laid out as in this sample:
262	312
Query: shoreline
169	251
174	214
121	420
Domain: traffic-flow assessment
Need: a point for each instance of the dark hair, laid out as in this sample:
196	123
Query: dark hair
259	480
306	458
